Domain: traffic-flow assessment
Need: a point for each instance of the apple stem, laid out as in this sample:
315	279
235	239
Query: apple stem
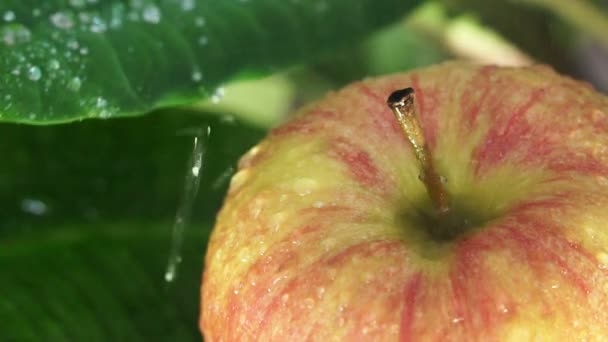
401	102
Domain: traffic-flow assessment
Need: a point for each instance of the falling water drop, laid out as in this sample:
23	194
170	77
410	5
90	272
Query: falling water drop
184	210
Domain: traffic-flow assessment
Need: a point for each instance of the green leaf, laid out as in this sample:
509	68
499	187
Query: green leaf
85	232
102	283
68	60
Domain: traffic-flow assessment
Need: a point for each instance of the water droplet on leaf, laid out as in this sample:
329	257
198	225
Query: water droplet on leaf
151	14
74	84
34	73
9	16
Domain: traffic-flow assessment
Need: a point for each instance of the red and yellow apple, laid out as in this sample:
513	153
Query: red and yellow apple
327	233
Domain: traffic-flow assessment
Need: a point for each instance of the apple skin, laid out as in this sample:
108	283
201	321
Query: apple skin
323	234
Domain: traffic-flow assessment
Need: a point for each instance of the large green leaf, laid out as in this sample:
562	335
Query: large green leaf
101	283
66	60
86	215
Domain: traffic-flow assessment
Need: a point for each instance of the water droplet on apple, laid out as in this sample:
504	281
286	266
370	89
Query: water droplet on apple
309	303
238	179
457	320
320	292
254	151
276	220
328	244
602	257
305	186
256	207
318	204
284	298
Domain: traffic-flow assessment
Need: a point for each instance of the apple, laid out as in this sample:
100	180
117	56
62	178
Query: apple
328	233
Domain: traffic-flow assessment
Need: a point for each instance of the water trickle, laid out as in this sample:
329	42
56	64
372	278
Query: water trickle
223	178
34	73
184	210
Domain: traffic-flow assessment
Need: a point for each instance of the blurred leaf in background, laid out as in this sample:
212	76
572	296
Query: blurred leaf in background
568	35
87	211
